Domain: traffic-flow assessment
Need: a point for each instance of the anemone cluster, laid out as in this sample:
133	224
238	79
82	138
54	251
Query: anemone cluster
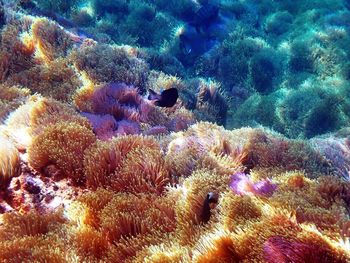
146	200
92	171
270	57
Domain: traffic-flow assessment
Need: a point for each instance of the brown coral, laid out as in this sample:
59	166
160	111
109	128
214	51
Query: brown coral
143	170
105	63
63	144
15	55
11	97
56	79
264	150
204	145
32	117
9	162
50	39
104	160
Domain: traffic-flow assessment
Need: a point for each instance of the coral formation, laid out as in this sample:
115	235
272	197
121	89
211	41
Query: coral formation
127	164
203	145
62	144
106	63
32	117
92	170
11	98
50	40
9	162
134	210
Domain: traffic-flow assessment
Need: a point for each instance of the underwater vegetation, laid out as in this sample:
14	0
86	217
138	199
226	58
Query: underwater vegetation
140	206
262	54
174	131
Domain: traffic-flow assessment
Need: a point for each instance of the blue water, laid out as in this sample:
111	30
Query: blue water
280	64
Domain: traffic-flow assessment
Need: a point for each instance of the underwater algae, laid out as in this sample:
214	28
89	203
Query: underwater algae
251	163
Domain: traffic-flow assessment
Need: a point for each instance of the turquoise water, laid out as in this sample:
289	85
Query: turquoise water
174	131
280	64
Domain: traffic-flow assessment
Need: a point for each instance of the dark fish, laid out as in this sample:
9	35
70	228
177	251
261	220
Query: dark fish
167	98
205	17
195	44
210	202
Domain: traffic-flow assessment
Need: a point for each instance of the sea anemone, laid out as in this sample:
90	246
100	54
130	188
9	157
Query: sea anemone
56	79
137	215
120	100
38	112
15	56
204	145
89	242
143	170
11	97
50	39
9	162
280	249
191	196
103	160
131	222
211	102
63	144
34	249
241	185
216	247
115	108
104	126
30	224
238	210
105	63
265	150
30	237
86	209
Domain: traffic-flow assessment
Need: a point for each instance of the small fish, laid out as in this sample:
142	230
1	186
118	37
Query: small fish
210	203
167	98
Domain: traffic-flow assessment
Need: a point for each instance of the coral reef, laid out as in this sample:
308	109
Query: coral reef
31	118
106	63
11	98
128	164
9	162
50	40
141	206
203	145
62	144
91	170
